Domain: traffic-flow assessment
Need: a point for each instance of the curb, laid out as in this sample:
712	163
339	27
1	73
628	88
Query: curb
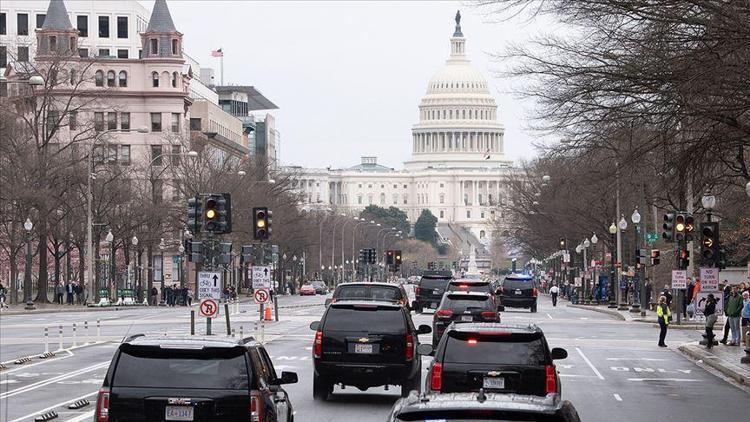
600	310
673	325
75	309
725	369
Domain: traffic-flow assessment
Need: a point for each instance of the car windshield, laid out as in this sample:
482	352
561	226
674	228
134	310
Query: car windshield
433	283
518	283
469	286
460	303
365	318
495	349
154	367
387	293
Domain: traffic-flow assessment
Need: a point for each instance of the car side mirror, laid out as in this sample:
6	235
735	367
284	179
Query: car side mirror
559	353
315	325
424	329
501	308
288	378
414	305
425	349
328	302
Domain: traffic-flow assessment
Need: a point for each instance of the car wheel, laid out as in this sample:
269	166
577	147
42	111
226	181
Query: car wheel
409	385
533	308
321	389
418	308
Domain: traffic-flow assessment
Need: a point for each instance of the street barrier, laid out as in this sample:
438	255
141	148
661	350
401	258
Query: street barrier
192	322
60	330
46	416
98	330
86	329
232	332
21	361
46	340
242	332
78	404
75	336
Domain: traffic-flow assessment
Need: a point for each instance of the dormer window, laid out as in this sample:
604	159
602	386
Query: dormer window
154	46
52	43
123	79
175	47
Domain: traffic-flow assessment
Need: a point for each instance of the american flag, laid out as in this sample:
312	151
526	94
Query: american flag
217	53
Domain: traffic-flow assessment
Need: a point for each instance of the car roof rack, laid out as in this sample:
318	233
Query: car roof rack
247	339
132	337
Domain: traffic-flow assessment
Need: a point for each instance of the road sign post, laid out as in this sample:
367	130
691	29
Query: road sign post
210	286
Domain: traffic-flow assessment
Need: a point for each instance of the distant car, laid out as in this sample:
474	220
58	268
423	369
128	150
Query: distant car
320	287
460	307
495	358
429	290
518	291
482	407
386	292
193	379
307	290
366	344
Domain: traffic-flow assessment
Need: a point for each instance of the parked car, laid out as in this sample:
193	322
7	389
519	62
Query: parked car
386	292
495	358
321	288
518	291
193	379
366	344
460	307
429	290
307	289
482	406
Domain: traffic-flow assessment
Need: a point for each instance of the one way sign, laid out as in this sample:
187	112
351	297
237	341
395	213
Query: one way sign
261	277
209	285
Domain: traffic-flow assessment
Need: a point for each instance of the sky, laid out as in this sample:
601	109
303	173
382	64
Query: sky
348	75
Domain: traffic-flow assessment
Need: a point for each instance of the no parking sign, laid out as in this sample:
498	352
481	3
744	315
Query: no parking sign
261	296
209	308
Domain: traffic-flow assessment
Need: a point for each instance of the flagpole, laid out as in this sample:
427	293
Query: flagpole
221	64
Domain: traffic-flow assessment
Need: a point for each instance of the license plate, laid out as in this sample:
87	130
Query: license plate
433	305
518	292
497	383
436	291
178	413
363	348
467	318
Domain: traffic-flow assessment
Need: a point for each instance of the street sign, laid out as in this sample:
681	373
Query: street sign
566	257
578	282
209	308
209	285
679	279
652	237
701	299
261	296
261	277
710	279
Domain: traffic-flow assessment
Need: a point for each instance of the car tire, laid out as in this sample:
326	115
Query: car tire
533	308
418	308
409	385
321	388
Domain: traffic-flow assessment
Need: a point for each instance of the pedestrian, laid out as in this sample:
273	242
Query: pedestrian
710	313
154	295
667	293
664	315
734	311
189	296
688	298
649	287
169	295
554	291
727	290
60	292
745	324
70	291
2	297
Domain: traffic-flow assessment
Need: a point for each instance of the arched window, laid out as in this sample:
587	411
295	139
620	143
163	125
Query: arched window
450	114
482	234
175	47
154	46
111	78
174	78
463	114
52	43
99	78
155	79
123	79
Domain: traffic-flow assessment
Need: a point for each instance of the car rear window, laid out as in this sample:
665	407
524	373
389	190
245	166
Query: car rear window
462	302
433	283
369	292
494	349
153	367
365	318
458	286
515	283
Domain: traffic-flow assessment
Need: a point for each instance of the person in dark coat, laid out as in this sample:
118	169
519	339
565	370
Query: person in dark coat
154	296
710	314
727	290
667	293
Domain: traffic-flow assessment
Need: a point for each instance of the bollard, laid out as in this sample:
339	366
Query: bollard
46	340
232	332
75	342
98	331
86	329
208	326
59	329
192	322
226	316
242	333
262	332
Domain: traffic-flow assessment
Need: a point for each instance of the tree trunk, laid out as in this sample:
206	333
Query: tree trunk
68	264
150	272
81	266
13	275
43	278
57	258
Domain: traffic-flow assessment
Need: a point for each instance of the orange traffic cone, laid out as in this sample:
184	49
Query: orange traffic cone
267	315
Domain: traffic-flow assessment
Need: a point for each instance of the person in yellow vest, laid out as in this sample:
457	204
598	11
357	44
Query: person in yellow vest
664	315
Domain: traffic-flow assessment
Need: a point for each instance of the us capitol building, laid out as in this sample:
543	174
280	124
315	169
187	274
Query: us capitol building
457	167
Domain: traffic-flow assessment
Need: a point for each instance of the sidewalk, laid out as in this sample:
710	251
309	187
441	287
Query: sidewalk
725	359
650	317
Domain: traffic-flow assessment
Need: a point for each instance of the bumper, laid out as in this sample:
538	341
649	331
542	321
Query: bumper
427	302
367	374
517	302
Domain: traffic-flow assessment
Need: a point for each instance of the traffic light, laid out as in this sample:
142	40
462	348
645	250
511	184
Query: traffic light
372	256
362	256
680	227
683	259
397	257
640	256
194	250
247	254
389	259
217	213
194	215
689	227
722	261
260	223
563	244
225	253
668	227
710	243
655	257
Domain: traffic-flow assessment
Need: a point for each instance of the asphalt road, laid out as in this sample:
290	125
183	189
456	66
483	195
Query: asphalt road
614	371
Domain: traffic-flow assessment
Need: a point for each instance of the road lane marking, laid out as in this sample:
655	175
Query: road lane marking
56	359
43	383
663	379
643	359
591	365
82	417
549	316
37	412
617	397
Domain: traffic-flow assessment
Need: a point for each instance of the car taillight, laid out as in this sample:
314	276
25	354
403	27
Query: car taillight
533	291
436	380
551	379
444	313
463	286
255	408
409	347
417	290
333	300
318	344
489	315
102	405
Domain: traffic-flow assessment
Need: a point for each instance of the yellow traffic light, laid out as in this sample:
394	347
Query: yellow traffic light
261	224
211	214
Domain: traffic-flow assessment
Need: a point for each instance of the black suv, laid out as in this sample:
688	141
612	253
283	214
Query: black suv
518	291
496	358
429	291
366	344
470	285
193	379
385	292
463	307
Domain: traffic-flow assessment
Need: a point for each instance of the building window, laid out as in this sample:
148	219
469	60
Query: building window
468	214
123	79
174	79
369	199
125	121
359	199
52	43
404	186
3	25
99	78
22	21
481	202
195	123
482	234
122	54
175	190
156	155
99	121
406	199
466	199
442	198
382	198
122	27
156	122
40	20
175	48
103	26
442	214
73	120
83	52
111	120
176	122
123	156
104	52
155	79
72	44
395	199
442	185
83	25
360	185
481	214
154	45
23	53
111	78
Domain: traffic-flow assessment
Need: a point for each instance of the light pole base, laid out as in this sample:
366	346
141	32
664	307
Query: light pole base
29	305
635	309
746	358
622	307
612	305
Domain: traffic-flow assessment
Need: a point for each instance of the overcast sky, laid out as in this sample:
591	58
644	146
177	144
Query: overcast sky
348	76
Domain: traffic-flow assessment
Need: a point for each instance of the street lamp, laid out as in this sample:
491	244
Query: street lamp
111	240
612	286
162	246
709	203
134	242
747	188
594	281
28	225
636	219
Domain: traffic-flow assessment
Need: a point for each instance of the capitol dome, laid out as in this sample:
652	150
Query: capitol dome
457	116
